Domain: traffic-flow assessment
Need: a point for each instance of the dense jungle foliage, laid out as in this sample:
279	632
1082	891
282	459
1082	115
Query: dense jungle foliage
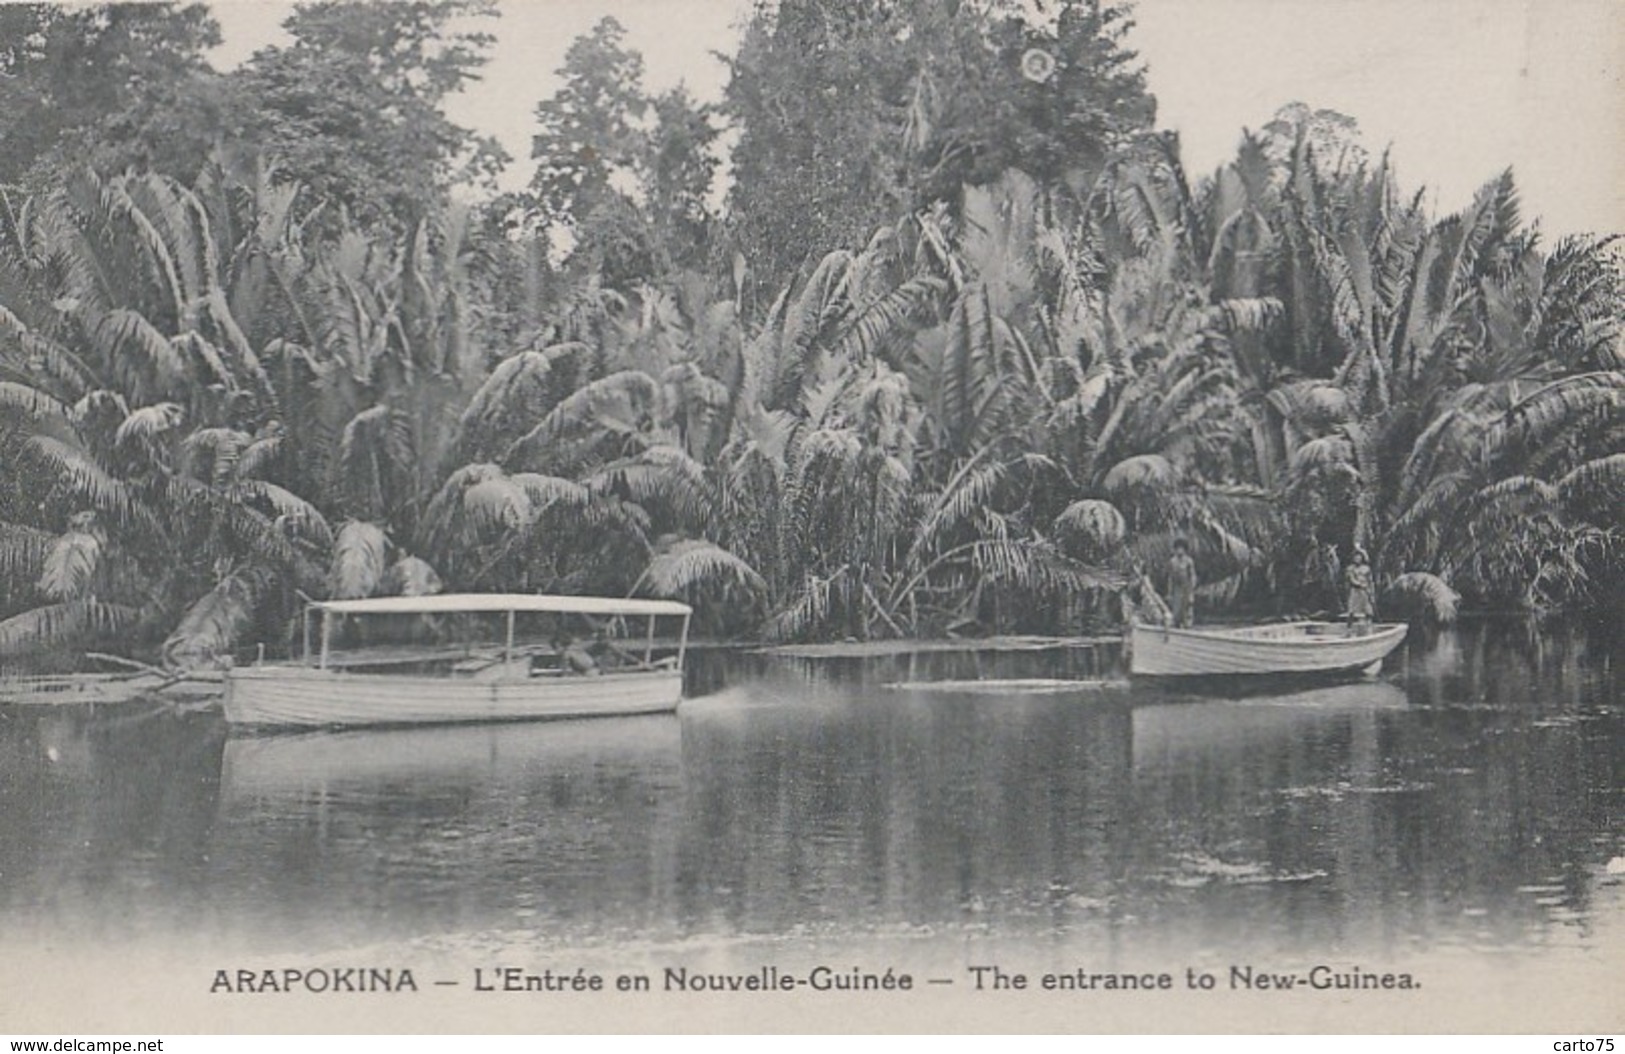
945	340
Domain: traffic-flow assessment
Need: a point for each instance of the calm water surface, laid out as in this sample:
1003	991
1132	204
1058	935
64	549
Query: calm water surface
1470	799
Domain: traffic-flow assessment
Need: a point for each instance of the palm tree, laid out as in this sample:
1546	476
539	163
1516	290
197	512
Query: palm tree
146	417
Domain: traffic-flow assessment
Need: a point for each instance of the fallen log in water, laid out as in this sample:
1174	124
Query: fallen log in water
78	689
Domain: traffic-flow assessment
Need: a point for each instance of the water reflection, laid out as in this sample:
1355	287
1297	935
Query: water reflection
567	826
1471	799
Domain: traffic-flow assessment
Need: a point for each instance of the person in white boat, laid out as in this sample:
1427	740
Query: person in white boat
1182	585
574	656
1362	604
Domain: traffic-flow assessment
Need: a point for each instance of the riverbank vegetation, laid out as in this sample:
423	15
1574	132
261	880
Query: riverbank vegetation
941	337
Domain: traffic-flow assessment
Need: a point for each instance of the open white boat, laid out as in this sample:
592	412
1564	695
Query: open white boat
1289	648
516	679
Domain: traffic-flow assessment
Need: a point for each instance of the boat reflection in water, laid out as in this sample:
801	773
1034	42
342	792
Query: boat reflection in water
568	824
1205	730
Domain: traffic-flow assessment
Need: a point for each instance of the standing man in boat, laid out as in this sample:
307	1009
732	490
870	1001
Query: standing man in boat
1362	603
1182	585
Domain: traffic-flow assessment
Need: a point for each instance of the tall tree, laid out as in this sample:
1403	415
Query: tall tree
851	113
115	84
627	174
352	108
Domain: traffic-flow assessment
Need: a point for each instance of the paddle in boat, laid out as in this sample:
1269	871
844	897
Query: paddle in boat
1289	648
489	657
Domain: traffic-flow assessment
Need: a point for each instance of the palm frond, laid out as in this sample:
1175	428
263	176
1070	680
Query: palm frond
208	631
23	551
412	576
149	422
1096	524
697	563
293	513
1142	471
30	400
127	337
212	453
618	405
359	562
498	503
65	625
88	481
71	565
1596	489
1425	594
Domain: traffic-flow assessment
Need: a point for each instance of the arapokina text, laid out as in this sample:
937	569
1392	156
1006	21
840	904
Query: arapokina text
317	980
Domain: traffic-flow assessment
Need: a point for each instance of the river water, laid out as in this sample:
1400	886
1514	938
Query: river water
1460	812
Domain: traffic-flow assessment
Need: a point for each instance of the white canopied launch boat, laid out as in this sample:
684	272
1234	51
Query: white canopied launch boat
515	677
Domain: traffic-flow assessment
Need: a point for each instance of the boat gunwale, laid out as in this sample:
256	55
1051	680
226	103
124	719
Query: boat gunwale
1241	634
269	671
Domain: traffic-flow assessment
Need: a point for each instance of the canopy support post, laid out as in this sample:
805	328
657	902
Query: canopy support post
304	655
682	643
649	643
327	637
507	648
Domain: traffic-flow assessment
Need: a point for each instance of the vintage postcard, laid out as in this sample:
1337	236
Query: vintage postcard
535	516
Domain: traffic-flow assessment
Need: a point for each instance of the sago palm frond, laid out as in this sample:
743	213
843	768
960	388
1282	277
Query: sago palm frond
1141	472
497	503
814	602
412	576
1094	523
30	401
1425	594
212	453
210	628
293	513
619	406
969	490
1596	490
880	323
1037	567
376	460
23	551
697	562
360	558
71	565
149	422
65	625
546	492
157	367
88	481
521	386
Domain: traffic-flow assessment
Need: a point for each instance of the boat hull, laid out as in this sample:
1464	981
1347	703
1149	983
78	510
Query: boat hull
1299	649
300	696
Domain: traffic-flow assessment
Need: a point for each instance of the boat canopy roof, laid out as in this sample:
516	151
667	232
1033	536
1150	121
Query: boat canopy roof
459	603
